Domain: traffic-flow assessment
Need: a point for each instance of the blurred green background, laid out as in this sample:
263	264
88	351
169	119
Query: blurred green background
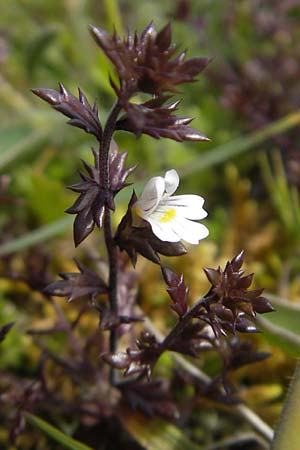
246	102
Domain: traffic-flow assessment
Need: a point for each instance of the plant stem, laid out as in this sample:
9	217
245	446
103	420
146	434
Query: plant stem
105	145
112	252
183	322
113	273
170	340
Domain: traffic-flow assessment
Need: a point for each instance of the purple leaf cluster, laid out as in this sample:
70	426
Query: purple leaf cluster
139	360
81	113
158	120
177	290
90	204
232	305
77	284
147	62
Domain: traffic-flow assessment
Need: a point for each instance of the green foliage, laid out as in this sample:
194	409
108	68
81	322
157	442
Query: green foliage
285	197
13	348
51	42
55	434
156	434
282	329
287	433
39	190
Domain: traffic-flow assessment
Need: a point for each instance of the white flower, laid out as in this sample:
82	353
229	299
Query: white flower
171	217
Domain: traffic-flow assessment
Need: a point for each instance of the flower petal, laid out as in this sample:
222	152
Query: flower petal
171	218
163	231
151	196
189	231
188	206
169	225
171	181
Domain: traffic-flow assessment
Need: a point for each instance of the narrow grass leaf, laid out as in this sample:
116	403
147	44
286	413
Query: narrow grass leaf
282	329
156	434
287	432
113	15
36	236
55	433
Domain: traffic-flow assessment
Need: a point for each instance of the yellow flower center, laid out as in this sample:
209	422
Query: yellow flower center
168	215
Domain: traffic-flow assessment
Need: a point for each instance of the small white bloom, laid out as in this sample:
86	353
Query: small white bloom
171	217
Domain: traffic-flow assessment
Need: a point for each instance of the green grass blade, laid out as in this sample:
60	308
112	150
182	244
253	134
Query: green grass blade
55	433
36	236
156	434
285	198
113	15
241	145
295	202
286	340
282	329
287	433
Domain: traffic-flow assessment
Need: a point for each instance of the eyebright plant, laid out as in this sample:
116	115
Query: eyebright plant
155	224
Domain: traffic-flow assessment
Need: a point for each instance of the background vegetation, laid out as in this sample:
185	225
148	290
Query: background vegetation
246	101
